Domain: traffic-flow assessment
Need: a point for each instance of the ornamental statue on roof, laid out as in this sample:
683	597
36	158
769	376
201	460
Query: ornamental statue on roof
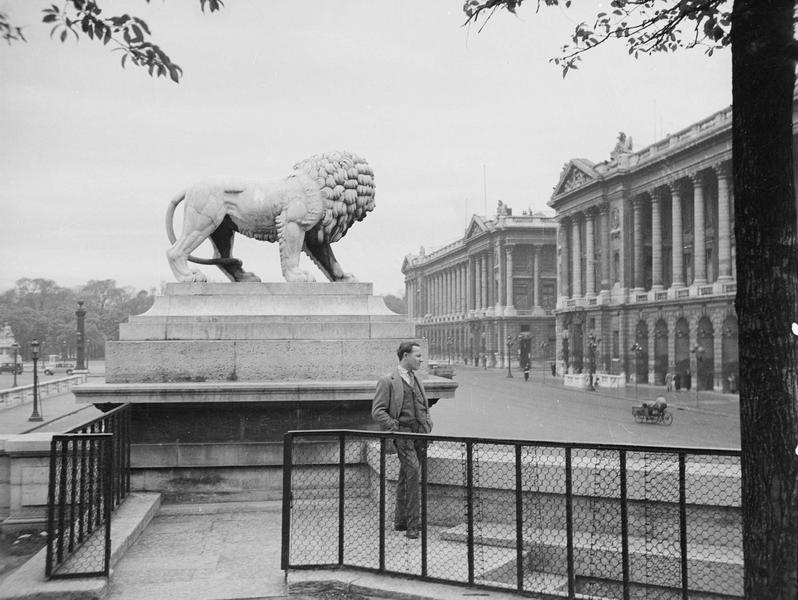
622	146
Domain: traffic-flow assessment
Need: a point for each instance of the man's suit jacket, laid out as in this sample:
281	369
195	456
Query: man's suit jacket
387	403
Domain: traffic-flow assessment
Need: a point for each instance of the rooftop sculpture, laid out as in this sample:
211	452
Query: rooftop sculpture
307	211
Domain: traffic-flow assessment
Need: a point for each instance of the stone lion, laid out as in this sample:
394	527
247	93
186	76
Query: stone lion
306	211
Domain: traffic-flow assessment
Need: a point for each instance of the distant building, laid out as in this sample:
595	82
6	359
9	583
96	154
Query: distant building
499	280
7	342
646	259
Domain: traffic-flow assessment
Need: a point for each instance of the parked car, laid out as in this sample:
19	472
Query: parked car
58	367
440	369
8	367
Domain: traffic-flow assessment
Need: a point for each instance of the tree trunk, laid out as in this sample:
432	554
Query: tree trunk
763	79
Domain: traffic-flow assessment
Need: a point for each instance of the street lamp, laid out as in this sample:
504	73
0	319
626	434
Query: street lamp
80	351
637	348
15	347
544	347
592	344
698	350
509	349
34	349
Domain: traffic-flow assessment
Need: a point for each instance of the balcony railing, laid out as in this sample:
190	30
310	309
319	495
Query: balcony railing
554	519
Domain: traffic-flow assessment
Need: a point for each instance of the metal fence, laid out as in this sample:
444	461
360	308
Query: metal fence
79	505
89	478
117	422
552	519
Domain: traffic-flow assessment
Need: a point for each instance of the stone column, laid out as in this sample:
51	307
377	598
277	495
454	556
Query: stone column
508	250
590	256
536	276
576	258
677	250
565	257
656	239
637	234
724	223
469	279
484	282
699	233
604	241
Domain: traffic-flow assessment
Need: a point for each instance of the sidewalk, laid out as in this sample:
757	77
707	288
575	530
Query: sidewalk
60	413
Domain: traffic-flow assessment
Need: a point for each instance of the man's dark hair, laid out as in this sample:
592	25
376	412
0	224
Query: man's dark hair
404	348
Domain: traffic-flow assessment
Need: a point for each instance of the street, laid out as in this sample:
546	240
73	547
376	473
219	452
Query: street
488	404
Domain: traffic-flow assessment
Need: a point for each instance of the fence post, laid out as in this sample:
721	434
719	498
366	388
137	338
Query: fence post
519	521
341	491
624	526
569	519
287	468
470	508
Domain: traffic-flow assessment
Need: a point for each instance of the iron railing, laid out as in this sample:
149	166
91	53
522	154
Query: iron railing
89	479
117	422
545	518
79	505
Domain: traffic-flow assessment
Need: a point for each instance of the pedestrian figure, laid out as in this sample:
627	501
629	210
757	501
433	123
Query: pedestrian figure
400	404
526	372
553	369
668	381
732	384
485	360
688	380
677	382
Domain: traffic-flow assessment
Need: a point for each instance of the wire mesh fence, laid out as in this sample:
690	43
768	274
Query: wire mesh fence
117	422
602	521
79	505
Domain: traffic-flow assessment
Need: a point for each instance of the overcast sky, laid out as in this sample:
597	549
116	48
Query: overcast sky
91	154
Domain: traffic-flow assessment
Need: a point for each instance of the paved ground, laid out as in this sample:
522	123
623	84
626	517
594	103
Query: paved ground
489	404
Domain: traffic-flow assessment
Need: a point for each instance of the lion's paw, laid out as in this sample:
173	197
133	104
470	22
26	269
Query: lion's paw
348	277
198	277
247	276
301	276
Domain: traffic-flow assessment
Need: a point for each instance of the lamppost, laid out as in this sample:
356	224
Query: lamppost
34	349
509	349
15	347
637	349
592	344
80	313
544	347
698	350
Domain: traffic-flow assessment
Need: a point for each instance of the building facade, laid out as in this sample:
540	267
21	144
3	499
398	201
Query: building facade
646	260
490	295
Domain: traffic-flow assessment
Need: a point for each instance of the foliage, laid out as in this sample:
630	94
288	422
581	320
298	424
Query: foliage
647	26
41	309
397	304
127	33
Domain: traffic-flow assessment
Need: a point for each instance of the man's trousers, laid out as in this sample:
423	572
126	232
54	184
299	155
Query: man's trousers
408	508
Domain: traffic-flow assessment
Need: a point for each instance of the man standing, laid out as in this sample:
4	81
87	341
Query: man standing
400	404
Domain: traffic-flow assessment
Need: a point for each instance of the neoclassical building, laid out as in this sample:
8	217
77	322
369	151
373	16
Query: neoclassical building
499	280
646	259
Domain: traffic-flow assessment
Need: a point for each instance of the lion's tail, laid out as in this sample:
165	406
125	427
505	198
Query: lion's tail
170	233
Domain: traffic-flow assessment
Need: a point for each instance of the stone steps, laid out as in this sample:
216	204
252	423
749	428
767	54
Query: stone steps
652	561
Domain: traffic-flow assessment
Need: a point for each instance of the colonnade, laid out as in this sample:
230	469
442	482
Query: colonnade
472	285
597	227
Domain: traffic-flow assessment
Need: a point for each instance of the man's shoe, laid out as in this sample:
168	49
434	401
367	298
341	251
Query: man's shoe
412	534
397	527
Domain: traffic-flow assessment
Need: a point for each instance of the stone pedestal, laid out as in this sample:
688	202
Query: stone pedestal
222	371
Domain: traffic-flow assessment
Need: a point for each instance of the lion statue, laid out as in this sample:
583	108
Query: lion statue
306	211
